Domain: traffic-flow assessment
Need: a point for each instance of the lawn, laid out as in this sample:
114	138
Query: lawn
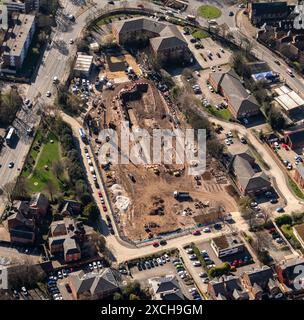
295	188
221	113
199	34
48	152
209	12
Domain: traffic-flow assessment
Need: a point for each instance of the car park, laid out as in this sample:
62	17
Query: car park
196	264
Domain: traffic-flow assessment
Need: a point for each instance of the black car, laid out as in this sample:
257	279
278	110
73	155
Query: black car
143	266
162	242
139	267
96	184
273	201
193	40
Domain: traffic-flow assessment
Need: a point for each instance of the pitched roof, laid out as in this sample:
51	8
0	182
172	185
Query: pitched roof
296	136
262	8
166	35
228	287
94	282
39	200
261	276
241	100
70	246
247	177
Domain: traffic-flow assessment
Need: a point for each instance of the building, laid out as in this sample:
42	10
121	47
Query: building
288	274
66	238
18	40
226	245
25	219
240	102
83	65
298	231
71	208
271	13
249	178
227	288
96	285
289	101
260	281
165	40
166	288
299	175
260	71
24	6
295	139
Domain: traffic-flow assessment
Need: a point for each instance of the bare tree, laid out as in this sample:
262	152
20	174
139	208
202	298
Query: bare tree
8	190
57	169
50	188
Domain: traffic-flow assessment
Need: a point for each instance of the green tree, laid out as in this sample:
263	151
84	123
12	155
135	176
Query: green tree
284	219
91	211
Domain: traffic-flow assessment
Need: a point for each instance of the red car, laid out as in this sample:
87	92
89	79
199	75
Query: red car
99	194
196	233
285	146
155	244
104	208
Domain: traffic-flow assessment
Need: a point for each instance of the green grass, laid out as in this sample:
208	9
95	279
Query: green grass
199	34
221	113
209	12
48	152
296	190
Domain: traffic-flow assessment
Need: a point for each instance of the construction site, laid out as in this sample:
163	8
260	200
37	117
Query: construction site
151	200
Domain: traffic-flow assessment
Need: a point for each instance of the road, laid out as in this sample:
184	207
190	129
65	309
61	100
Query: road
245	29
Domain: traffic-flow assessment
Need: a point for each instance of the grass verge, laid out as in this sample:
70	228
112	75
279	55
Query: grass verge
209	12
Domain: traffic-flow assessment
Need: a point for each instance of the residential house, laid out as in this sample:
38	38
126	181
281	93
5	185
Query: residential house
71	208
240	102
96	284
249	178
288	273
25	219
295	139
66	238
271	13
166	41
260	281
24	6
227	288
166	288
17	41
226	245
299	175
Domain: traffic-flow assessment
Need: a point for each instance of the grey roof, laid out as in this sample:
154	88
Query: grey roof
247	177
166	35
70	246
226	286
241	100
261	276
94	282
39	200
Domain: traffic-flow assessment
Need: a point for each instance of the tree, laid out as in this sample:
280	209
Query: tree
85	198
117	296
57	169
91	211
284	219
10	103
245	203
21	188
215	148
276	119
8	190
50	188
27	275
98	242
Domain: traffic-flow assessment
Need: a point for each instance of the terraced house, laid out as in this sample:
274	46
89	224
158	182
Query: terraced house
165	40
240	102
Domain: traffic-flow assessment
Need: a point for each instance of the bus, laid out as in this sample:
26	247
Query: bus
82	135
10	136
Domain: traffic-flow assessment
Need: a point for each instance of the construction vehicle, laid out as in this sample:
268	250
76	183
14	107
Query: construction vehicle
182	196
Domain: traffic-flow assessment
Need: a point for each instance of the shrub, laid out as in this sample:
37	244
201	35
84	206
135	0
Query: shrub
284	219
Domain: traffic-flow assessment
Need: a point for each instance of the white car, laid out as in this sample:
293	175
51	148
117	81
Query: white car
24	291
289	166
71	41
203	275
189	251
99	264
206	230
228	143
213	69
197	73
91	267
205	280
48	94
196	264
60	276
192	289
95	265
94	177
192	257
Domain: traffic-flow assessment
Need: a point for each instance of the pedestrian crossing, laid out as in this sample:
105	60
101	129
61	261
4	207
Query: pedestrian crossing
212	187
